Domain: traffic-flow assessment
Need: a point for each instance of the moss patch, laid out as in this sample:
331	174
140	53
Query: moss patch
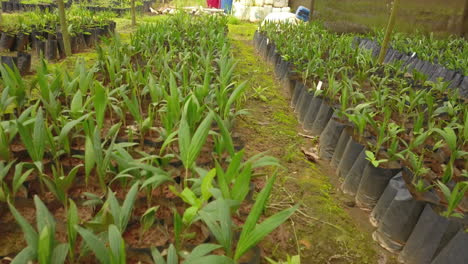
323	230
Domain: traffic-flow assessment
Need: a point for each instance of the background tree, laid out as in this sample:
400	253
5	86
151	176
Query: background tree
64	27
312	7
388	32
133	13
464	26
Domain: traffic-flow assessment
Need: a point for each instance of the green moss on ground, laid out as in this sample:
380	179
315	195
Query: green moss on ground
326	233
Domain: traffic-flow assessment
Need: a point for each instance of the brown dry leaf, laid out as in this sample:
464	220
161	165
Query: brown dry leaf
311	154
306	243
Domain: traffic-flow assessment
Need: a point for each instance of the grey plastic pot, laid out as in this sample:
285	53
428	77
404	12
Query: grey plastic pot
373	183
463	88
340	146
455	251
312	112
329	137
51	50
304	107
395	184
288	85
399	220
300	101
430	235
349	156
298	89
321	120
24	62
353	178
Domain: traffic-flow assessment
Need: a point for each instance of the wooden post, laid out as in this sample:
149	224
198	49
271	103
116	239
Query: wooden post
312	7
388	32
133	13
64	27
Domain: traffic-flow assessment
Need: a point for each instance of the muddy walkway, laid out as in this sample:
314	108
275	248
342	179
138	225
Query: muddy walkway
327	229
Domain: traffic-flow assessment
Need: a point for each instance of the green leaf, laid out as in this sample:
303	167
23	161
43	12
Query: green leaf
200	251
72	221
43	217
25	256
30	234
184	141
262	230
234	97
117	245
172	257
90	156
100	103
76	105
95	244
127	206
242	184
207	185
226	135
189	197
199	138
156	255
19	177
69	126
44	250
220	223
60	254
189	215
254	215
156	180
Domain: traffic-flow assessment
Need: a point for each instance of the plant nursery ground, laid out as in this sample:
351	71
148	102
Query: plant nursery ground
327	228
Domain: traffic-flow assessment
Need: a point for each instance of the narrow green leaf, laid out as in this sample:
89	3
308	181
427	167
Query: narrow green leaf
95	244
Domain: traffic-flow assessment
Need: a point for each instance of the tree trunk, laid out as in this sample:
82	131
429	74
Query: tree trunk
133	13
388	32
64	27
312	7
464	26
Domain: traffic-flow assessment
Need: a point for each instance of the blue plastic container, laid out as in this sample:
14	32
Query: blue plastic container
227	6
303	13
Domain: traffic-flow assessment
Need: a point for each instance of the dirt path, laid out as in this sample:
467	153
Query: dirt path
325	230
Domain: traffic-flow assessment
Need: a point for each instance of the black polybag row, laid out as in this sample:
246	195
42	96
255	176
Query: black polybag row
411	62
404	224
47	44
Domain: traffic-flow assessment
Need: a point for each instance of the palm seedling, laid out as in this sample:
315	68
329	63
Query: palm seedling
42	245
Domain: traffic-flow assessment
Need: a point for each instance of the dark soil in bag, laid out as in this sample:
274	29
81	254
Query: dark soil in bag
329	137
353	179
9	61
24	62
373	183
40	48
51	50
61	46
7	41
22	41
432	232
